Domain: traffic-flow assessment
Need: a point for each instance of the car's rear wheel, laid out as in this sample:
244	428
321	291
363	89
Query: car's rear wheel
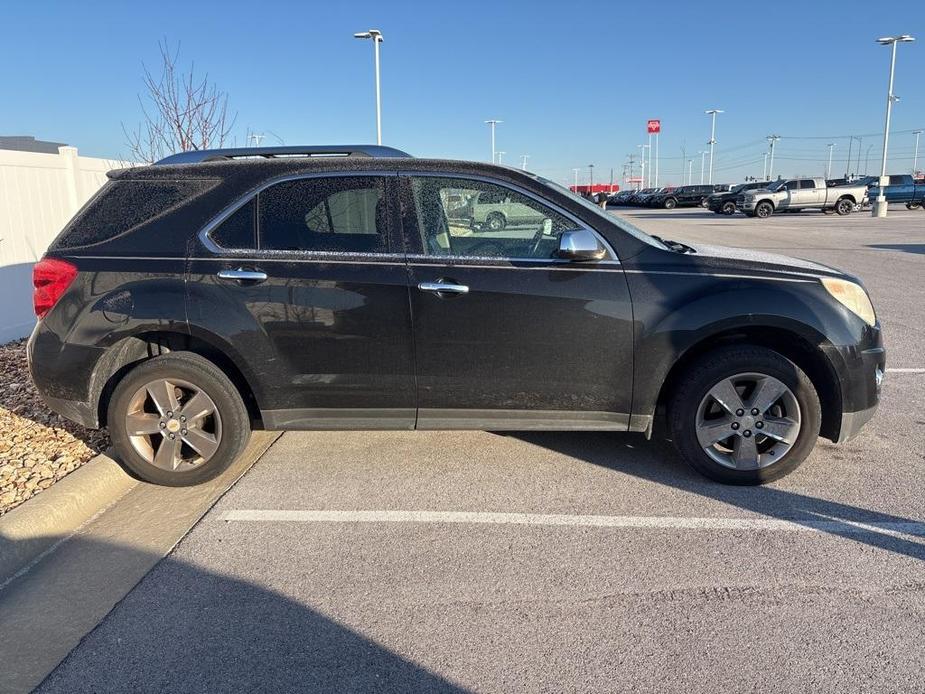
670	204
913	205
729	208
745	415
177	420
496	221
844	206
764	209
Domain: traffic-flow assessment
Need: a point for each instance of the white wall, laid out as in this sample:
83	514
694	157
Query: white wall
39	193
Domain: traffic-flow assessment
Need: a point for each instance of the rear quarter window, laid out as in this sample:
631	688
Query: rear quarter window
122	206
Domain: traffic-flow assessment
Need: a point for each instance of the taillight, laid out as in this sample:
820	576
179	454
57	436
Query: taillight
51	277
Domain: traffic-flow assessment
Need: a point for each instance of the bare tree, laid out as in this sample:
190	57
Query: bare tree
181	112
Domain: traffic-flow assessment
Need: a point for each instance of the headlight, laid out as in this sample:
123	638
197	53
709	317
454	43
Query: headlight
853	297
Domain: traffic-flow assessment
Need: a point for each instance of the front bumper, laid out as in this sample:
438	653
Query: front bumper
861	369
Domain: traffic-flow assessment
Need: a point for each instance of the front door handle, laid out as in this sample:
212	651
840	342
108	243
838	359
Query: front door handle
443	288
243	275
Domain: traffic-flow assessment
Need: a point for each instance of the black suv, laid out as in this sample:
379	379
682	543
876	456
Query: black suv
725	202
191	301
685	196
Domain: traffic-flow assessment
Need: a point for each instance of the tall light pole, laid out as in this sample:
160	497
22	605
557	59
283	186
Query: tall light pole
492	123
703	155
376	37
712	112
867	158
828	168
523	161
690	166
880	205
590	178
575	171
500	153
772	140
915	157
642	166
765	169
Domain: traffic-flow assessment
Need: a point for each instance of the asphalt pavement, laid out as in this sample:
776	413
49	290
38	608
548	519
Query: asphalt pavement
472	561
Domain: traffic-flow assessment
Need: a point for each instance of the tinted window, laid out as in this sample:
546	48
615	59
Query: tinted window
807	183
453	218
121	206
792	185
237	231
338	214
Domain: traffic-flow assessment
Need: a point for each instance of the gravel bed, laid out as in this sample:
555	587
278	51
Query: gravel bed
37	446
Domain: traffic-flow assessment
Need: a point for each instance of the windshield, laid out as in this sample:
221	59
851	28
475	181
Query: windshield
626	226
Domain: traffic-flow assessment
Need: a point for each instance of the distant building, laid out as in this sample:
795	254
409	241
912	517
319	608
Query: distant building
27	143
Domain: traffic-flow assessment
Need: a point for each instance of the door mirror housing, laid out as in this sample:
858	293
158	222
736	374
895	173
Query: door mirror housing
580	244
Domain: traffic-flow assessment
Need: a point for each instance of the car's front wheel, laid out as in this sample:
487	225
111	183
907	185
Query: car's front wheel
177	420
745	415
729	208
670	204
764	209
496	221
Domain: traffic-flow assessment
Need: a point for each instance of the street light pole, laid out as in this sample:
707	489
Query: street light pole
642	166
376	36
915	157
523	161
703	155
712	112
590	179
880	205
772	140
764	170
500	153
690	166
575	171
828	168
867	158
492	123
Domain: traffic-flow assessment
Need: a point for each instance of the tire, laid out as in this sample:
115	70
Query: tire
692	408
729	208
219	436
913	205
495	222
844	206
764	209
670	204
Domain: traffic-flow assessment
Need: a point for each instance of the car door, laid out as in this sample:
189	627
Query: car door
303	285
809	195
506	335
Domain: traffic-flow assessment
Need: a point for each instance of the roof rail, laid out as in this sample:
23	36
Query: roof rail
203	155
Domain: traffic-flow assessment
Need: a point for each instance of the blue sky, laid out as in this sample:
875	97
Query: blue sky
573	82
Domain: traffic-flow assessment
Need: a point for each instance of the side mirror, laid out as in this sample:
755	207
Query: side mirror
580	244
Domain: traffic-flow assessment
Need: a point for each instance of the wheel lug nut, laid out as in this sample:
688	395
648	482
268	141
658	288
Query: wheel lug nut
171	436
747	433
735	425
183	432
182	418
759	425
170	414
754	410
162	424
740	412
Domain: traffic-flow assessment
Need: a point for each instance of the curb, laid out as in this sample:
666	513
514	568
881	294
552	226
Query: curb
35	527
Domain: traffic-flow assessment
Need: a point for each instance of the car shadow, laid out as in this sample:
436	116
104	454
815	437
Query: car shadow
186	629
917	248
657	461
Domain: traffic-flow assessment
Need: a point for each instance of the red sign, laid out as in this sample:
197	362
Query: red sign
654	126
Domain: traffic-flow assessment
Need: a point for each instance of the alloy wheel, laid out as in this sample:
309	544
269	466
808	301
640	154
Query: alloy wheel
173	424
748	421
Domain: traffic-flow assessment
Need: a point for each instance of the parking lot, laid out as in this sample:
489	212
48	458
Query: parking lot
398	561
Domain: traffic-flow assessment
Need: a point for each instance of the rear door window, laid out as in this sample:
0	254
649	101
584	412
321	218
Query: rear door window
237	232
343	214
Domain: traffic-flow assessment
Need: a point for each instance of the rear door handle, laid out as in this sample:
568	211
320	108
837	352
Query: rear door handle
443	288
243	275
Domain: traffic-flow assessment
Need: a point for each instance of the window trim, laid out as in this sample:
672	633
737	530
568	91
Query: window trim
612	258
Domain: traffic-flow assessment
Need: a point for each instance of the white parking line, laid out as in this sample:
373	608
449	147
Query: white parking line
905	371
556	519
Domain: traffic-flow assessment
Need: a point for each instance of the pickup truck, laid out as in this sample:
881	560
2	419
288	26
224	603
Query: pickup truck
795	194
900	189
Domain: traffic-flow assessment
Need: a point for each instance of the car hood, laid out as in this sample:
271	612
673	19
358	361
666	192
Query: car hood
732	259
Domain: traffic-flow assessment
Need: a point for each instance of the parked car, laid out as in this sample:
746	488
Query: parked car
685	196
901	189
725	202
495	210
620	199
797	194
640	197
219	291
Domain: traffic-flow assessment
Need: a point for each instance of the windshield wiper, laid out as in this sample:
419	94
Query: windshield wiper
676	246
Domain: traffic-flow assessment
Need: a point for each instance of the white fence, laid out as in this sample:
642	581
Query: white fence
39	193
